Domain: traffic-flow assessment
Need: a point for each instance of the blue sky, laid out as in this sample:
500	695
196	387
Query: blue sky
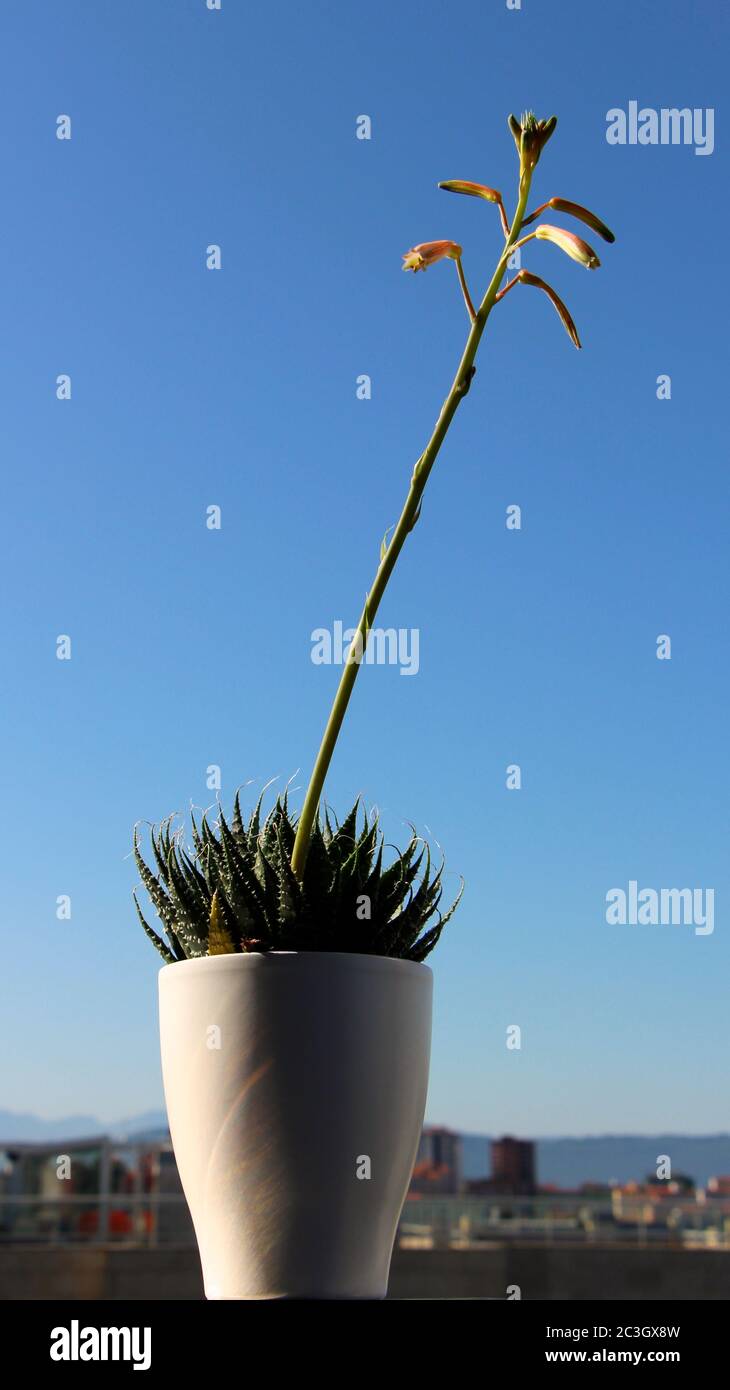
236	388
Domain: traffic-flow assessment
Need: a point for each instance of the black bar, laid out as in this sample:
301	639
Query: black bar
246	1338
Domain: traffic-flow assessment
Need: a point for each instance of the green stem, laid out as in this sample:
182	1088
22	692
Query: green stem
465	290
406	522
530	237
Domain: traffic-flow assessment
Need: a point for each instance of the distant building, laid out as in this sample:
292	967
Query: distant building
513	1167
513	1170
437	1169
96	1189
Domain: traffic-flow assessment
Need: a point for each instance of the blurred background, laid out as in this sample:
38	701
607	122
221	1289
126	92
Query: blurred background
140	389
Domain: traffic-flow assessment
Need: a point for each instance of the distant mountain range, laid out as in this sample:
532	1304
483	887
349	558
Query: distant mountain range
30	1129
563	1162
612	1157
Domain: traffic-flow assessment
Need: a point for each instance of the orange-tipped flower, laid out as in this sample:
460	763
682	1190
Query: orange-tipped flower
573	246
583	215
475	190
420	257
574	210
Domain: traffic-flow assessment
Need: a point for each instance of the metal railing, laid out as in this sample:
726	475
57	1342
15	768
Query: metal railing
619	1218
162	1218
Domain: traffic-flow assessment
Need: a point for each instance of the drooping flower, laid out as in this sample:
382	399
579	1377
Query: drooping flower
525	277
478	190
428	252
573	210
583	215
573	246
475	190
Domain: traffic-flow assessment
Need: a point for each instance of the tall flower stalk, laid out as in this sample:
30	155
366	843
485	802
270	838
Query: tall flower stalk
530	137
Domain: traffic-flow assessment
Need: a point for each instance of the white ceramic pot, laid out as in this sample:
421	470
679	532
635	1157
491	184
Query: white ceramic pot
290	1076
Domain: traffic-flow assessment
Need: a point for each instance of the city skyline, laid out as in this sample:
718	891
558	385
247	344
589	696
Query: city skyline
450	1162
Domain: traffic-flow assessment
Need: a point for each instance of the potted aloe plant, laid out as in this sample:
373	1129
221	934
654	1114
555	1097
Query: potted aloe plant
295	1007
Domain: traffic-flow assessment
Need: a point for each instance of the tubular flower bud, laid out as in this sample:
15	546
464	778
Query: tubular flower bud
526	278
476	190
516	129
574	210
529	136
428	252
573	246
